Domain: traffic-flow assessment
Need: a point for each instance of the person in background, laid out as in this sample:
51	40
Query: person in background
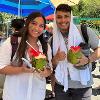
17	25
49	27
52	78
48	37
48	32
71	81
23	82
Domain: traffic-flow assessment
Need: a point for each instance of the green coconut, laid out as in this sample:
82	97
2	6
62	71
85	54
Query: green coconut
39	62
74	55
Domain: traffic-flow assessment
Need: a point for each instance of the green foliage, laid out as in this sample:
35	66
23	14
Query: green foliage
7	16
4	21
87	8
77	9
1	21
1	18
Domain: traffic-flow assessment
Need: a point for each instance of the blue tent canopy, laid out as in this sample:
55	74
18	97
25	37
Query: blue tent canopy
25	7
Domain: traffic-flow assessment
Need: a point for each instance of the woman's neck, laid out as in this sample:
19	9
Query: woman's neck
33	40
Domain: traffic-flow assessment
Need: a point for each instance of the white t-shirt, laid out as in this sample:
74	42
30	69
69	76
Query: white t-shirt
25	86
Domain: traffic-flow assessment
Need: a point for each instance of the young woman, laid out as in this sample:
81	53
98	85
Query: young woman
22	82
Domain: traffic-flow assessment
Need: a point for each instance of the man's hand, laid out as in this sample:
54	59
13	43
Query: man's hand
82	61
60	56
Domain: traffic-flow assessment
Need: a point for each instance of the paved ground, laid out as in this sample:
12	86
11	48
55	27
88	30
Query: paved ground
96	78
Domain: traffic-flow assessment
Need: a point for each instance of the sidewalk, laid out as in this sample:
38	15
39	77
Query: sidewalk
96	79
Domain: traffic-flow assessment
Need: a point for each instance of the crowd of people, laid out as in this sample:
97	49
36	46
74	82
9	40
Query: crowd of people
53	42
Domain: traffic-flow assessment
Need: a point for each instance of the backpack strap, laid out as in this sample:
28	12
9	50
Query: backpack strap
14	43
84	32
50	41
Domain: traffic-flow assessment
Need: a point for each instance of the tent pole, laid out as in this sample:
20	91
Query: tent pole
19	8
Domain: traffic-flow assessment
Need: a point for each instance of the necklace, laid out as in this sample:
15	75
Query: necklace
65	36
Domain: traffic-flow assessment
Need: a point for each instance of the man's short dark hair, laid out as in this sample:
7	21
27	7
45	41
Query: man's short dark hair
64	8
17	24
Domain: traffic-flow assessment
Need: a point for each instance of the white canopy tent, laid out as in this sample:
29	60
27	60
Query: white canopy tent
69	2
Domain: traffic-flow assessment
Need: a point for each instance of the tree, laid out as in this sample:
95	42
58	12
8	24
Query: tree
87	8
1	22
77	9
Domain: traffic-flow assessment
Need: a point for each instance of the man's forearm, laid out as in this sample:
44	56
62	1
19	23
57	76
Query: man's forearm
54	61
95	55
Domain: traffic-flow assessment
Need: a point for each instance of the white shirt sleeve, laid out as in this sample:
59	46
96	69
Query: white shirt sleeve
94	41
5	53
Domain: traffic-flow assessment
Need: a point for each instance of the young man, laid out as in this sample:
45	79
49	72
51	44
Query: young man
72	83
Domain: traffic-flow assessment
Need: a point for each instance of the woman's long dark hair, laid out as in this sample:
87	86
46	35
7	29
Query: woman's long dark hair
22	46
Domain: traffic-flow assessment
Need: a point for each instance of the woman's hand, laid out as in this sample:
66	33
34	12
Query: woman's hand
26	69
46	72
